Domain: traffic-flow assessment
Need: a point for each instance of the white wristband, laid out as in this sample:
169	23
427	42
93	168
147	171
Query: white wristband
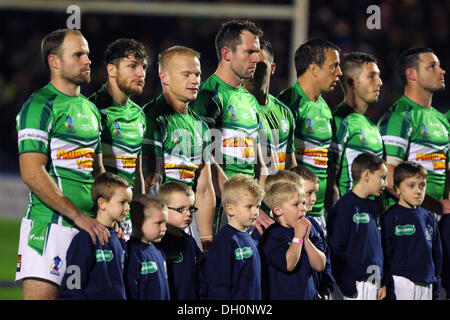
297	240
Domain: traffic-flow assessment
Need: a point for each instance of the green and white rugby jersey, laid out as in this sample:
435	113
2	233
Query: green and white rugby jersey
123	130
276	125
233	112
312	136
183	140
355	134
411	132
66	129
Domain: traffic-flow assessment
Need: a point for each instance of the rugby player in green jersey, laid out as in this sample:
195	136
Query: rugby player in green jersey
413	130
317	65
230	110
276	122
353	132
123	121
59	152
177	142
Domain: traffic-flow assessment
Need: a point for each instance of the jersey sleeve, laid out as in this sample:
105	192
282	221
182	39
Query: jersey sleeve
395	128
437	259
274	250
387	238
34	123
132	275
219	271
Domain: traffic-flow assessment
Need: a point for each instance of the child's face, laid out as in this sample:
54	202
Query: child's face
411	192
154	226
377	181
292	210
118	206
244	212
183	202
311	188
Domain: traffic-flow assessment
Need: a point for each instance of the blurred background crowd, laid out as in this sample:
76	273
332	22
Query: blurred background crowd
404	23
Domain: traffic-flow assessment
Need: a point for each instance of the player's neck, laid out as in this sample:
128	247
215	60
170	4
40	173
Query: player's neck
174	231
360	190
419	95
117	94
66	87
177	105
225	74
355	103
104	219
309	88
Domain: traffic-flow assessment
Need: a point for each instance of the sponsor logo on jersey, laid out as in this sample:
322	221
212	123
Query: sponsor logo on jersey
104	255
361	217
429	232
55	265
148	267
177	137
174	256
243	253
362	137
406	230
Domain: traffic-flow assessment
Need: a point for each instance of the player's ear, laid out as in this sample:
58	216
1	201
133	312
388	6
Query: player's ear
314	69
53	61
366	174
112	70
273	67
101	203
276	210
226	53
410	74
164	77
229	209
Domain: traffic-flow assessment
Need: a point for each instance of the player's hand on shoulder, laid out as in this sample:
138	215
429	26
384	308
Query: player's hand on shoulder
95	229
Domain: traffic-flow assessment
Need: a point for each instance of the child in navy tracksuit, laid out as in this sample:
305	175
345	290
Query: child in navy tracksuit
324	280
183	256
97	270
411	241
354	235
145	270
444	227
291	248
233	266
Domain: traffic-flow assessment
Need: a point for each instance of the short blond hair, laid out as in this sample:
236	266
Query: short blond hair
234	186
165	56
167	189
280	192
284	176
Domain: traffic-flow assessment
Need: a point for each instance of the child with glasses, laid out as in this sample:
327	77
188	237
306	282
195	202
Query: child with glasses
183	256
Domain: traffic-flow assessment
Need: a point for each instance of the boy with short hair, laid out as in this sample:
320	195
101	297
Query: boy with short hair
290	247
412	246
238	279
146	271
324	280
183	256
100	267
354	236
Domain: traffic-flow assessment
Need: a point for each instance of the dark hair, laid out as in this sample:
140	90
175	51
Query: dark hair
229	34
52	42
351	61
305	173
312	51
105	185
410	59
408	169
169	188
122	48
363	162
266	45
137	211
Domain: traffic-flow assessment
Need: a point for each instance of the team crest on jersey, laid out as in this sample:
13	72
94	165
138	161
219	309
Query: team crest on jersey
69	125
308	125
55	265
429	232
362	137
116	129
424	130
232	113
177	137
284	126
